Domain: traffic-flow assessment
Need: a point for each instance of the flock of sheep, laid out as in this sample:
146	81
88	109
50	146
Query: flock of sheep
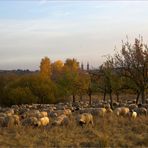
41	115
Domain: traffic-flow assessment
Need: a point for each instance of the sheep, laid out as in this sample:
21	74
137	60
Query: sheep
44	121
132	114
61	120
102	111
132	106
67	112
141	111
85	118
9	120
10	112
33	113
16	119
3	114
121	111
30	121
2	121
52	114
43	114
109	110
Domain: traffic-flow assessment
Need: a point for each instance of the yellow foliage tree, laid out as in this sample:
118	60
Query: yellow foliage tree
45	68
56	67
71	64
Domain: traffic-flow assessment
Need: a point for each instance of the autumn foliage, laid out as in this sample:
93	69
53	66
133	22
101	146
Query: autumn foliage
126	71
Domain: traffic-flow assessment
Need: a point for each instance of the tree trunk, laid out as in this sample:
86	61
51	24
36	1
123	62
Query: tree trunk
142	96
104	96
81	97
111	99
90	99
73	98
137	99
117	95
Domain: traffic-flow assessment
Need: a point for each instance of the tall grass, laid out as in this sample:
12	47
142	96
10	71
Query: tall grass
109	131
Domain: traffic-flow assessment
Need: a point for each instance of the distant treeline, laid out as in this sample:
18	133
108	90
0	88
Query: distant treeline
126	71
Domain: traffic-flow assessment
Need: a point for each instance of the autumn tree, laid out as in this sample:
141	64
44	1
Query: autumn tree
133	64
69	77
71	64
45	68
57	68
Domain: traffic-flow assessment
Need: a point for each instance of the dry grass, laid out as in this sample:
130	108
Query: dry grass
109	131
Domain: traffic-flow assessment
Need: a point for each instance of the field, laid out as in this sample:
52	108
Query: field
110	131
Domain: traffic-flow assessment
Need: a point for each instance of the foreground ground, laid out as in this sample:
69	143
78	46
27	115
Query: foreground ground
109	131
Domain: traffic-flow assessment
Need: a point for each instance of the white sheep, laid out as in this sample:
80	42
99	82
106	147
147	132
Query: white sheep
132	114
85	118
102	111
44	121
121	111
43	114
61	120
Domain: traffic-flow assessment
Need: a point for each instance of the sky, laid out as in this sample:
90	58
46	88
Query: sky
85	30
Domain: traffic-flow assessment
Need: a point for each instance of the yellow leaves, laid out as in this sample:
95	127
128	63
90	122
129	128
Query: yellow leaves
57	66
71	64
45	68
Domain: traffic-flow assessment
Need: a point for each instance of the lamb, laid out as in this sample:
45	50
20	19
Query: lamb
85	118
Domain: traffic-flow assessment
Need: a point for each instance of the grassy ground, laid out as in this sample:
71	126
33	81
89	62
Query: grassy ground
109	131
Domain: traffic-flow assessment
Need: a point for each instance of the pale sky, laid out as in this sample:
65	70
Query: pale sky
85	30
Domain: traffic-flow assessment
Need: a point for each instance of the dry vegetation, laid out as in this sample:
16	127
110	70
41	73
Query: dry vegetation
109	131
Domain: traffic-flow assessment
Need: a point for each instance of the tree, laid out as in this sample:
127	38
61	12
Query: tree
57	68
45	68
69	77
83	84
107	73
71	64
133	64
